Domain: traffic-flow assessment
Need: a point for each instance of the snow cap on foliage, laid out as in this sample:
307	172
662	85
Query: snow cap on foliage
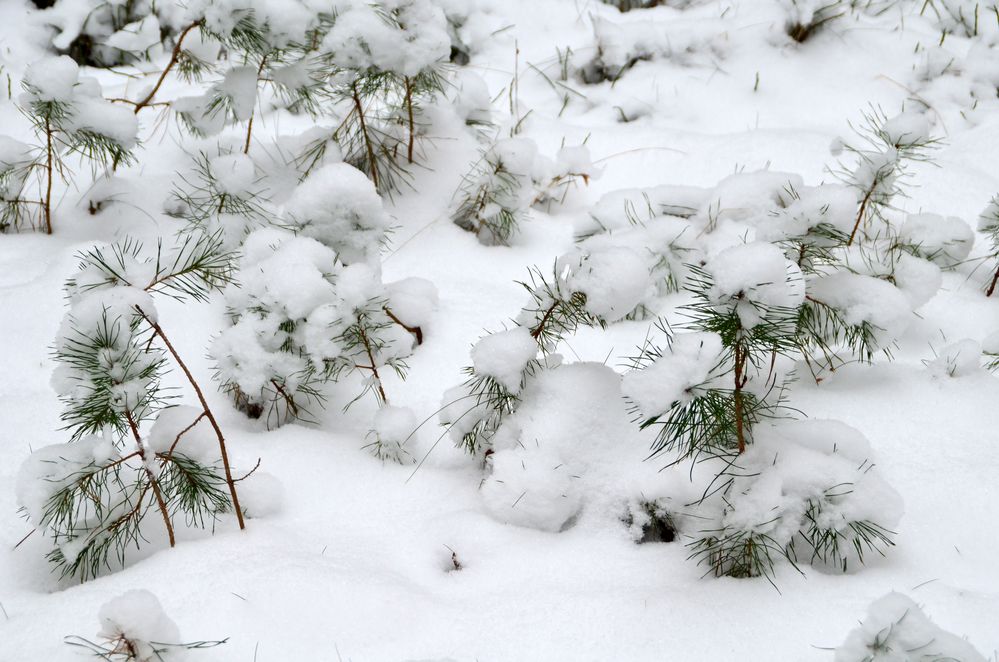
684	365
568	446
137	617
865	299
339	207
945	240
755	277
615	281
410	39
504	356
794	476
412	300
52	468
897	630
52	79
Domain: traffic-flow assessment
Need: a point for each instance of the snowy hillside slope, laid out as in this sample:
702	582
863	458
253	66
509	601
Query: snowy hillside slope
523	551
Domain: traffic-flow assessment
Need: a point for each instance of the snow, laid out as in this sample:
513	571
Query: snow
944	240
754	277
614	280
710	129
865	299
504	356
897	630
685	365
361	39
137	617
52	79
338	206
235	173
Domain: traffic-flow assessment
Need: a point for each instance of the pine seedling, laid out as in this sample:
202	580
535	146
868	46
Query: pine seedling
887	148
381	91
474	411
279	354
134	628
752	334
112	352
494	197
67	118
222	195
191	270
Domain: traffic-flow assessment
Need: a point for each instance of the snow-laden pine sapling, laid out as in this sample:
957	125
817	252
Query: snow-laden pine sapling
301	319
988	224
69	116
495	195
92	495
384	61
222	194
135	628
278	54
888	146
503	362
745	300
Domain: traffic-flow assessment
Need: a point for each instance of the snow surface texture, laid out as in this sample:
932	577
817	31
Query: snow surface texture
701	118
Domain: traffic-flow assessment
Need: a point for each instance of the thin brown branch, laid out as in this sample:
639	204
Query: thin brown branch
174	57
207	411
153	481
415	330
374	368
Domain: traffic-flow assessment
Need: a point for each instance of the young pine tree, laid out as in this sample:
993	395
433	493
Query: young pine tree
92	495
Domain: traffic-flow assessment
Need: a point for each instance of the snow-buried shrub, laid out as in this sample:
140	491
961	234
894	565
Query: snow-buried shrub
805	490
134	628
301	319
896	629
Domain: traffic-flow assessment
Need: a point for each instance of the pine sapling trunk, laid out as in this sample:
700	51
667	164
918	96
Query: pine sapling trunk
47	206
992	285
369	148
208	413
154	483
174	58
249	125
412	124
740	381
540	328
373	367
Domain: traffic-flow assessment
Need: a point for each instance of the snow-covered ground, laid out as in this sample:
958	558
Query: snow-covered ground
346	557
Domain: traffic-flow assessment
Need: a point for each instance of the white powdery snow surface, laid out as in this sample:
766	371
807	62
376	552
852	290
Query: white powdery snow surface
345	557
